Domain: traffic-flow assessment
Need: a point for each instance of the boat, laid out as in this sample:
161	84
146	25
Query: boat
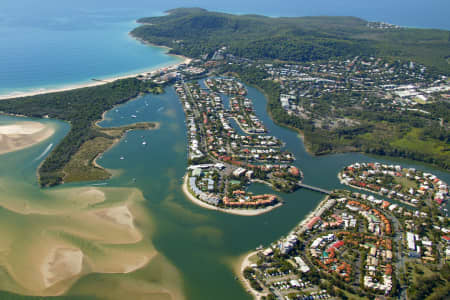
144	143
133	116
122	158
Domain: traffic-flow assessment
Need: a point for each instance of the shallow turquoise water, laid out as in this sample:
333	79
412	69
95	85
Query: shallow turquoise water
50	44
34	58
200	243
58	44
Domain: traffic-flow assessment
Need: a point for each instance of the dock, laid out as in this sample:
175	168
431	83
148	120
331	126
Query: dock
313	188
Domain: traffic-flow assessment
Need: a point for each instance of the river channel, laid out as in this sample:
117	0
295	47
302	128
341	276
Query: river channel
203	245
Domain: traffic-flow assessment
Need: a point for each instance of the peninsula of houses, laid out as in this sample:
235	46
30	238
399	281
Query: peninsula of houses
229	148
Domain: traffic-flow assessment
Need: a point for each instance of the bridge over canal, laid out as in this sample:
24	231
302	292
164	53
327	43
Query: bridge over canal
314	188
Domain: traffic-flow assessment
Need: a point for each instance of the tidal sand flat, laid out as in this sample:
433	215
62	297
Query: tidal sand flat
47	246
61	264
22	135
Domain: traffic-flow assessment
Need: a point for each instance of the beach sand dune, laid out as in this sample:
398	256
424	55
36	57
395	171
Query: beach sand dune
23	135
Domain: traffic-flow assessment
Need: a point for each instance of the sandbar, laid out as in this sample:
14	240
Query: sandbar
22	135
233	211
120	215
93	195
47	244
61	264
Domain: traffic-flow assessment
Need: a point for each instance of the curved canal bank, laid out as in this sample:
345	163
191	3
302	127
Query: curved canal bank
198	247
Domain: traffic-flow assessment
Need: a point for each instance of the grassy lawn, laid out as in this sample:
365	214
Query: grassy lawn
413	143
406	183
353	296
420	268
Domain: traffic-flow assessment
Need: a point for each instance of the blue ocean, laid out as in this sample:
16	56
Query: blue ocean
49	44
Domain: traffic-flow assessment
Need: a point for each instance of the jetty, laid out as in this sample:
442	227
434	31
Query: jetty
314	188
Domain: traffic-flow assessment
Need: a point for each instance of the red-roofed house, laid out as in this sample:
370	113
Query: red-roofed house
446	238
338	244
311	223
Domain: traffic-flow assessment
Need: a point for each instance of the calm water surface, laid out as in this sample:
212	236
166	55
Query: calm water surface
56	44
202	244
50	44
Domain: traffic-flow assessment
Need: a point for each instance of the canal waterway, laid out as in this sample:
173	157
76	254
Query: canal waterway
203	245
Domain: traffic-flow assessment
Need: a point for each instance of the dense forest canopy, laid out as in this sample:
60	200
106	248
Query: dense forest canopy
196	32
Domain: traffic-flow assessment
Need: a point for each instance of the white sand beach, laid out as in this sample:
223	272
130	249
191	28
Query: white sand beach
242	263
235	211
90	84
23	135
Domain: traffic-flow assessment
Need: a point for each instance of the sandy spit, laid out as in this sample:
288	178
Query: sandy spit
22	135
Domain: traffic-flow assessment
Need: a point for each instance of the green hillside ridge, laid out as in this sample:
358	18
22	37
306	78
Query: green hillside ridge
195	32
377	129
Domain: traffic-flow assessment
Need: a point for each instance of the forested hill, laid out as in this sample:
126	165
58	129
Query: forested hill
195	32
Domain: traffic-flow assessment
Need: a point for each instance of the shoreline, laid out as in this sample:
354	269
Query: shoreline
21	135
242	128
239	212
310	215
243	263
184	58
97	82
301	135
114	143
